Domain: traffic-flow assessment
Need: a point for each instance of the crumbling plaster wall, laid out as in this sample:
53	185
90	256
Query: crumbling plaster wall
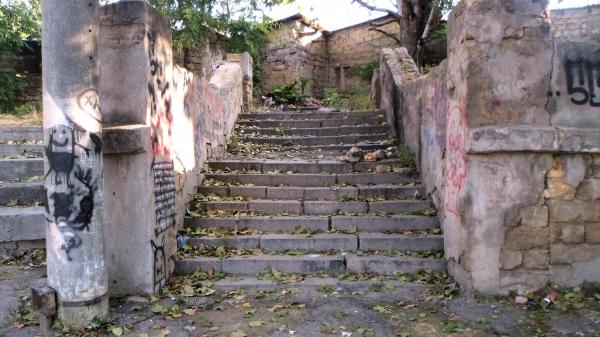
507	135
161	123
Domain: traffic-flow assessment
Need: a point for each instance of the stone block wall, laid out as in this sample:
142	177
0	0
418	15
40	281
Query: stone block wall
161	123
296	50
202	61
576	23
507	137
300	48
355	45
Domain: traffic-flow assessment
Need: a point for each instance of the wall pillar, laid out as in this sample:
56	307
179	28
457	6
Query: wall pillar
140	191
73	161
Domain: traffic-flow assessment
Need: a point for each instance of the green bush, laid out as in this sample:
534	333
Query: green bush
291	93
332	98
364	70
357	98
19	20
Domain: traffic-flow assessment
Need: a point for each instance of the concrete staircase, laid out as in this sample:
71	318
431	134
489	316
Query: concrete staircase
281	199
21	188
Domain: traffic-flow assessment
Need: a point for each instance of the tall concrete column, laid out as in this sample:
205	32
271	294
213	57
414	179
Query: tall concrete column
73	160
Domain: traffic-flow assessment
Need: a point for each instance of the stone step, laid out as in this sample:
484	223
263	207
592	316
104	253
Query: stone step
314	193
21	169
308	115
282	224
22	193
28	150
324	131
301	166
315	180
22	224
283	242
336	147
389	242
18	133
310	264
296	207
377	264
288	224
254	265
315	141
315	123
376	224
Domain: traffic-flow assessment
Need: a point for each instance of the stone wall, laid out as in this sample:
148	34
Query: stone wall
509	153
297	49
161	124
576	23
300	48
204	60
28	64
355	45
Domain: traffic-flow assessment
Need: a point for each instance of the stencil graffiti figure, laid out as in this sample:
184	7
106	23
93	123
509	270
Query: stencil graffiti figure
70	202
160	263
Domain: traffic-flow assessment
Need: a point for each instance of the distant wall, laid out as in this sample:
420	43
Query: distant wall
355	45
302	49
576	23
296	50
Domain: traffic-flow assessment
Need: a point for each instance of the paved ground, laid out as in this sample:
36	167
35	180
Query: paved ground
338	308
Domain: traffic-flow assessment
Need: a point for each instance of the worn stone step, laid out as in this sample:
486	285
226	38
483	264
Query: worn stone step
377	264
301	166
313	193
321	207
316	141
253	265
381	242
283	242
22	193
323	131
22	224
316	180
314	123
21	169
308	115
365	224
283	224
28	150
20	133
335	147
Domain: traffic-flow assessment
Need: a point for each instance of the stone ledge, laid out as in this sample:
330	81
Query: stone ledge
541	139
125	139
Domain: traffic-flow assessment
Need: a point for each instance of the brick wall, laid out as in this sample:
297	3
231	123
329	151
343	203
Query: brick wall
300	48
576	23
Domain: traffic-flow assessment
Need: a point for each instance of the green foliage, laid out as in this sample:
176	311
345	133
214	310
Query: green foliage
239	23
364	70
291	93
332	98
358	97
19	20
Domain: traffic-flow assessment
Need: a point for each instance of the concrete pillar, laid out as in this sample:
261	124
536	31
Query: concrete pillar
136	86
342	78
245	61
73	160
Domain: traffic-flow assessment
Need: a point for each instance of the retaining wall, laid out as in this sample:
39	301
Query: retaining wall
507	136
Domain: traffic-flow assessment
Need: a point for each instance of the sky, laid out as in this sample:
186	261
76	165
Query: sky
335	14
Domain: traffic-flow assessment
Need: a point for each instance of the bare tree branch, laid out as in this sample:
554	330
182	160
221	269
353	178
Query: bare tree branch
386	33
385	21
377	9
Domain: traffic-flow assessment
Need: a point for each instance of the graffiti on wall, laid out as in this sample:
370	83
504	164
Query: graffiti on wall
73	163
583	79
456	169
161	119
160	101
164	195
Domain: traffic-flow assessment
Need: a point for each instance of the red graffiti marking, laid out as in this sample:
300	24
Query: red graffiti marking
456	169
